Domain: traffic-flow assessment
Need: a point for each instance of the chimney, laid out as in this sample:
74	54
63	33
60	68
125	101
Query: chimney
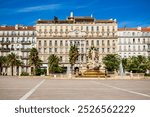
139	28
115	20
16	27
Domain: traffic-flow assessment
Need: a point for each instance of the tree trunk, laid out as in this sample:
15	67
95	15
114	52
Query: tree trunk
34	70
71	69
1	69
6	70
12	70
17	71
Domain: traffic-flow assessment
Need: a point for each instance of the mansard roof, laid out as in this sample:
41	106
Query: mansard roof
74	20
17	27
147	29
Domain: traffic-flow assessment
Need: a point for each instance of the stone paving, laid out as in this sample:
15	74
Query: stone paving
16	88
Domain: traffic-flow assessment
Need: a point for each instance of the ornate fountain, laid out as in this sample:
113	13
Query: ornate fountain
92	68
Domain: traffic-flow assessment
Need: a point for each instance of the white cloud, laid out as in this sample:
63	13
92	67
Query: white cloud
40	8
49	7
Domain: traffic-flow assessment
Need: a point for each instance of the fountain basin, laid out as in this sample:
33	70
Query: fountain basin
93	73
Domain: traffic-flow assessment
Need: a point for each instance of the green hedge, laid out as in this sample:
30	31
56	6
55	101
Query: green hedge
24	74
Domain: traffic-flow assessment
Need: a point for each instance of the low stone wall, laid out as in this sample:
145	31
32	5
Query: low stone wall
138	74
53	76
62	76
9	76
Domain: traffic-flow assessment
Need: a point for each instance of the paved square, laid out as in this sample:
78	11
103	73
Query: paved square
70	89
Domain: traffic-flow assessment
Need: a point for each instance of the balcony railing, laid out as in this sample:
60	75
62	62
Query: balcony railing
25	42
24	57
5	49
26	65
5	42
12	49
25	49
148	49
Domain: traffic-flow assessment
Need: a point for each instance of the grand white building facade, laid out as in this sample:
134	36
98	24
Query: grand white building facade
134	42
19	40
56	36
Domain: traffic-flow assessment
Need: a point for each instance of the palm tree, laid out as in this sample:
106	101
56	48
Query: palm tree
12	60
73	55
34	60
18	63
6	64
2	63
53	63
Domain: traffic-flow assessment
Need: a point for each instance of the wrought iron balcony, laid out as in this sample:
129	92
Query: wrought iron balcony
148	49
24	57
26	65
25	49
12	49
5	49
25	42
5	42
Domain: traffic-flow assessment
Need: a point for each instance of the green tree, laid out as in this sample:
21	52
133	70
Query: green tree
12	60
73	55
34	60
148	63
3	60
142	63
19	63
112	62
53	64
137	64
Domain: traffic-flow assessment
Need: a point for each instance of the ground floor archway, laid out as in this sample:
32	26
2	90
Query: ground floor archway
76	70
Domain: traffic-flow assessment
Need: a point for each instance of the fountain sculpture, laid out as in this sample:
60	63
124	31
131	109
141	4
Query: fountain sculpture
92	68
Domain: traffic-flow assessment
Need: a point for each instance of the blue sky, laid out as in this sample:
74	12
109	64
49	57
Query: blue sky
131	13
